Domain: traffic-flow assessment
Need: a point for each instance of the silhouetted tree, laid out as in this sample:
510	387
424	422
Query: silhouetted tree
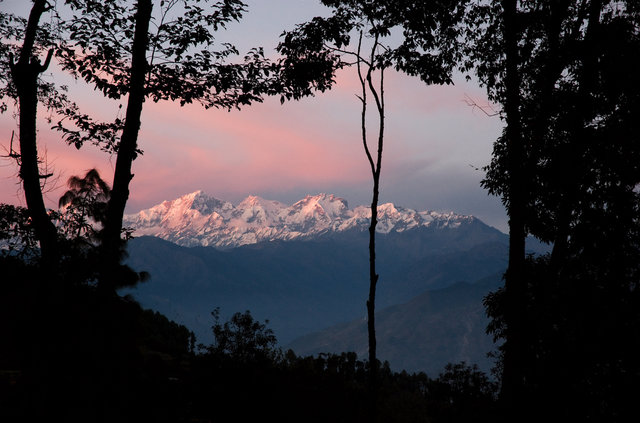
85	205
123	49
461	393
24	86
115	48
427	48
573	185
243	338
366	82
79	222
161	335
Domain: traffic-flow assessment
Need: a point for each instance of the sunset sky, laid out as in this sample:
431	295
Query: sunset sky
434	141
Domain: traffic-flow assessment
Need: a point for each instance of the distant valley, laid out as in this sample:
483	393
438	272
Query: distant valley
424	334
434	270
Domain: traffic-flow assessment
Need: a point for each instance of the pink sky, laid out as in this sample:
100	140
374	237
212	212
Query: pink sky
283	152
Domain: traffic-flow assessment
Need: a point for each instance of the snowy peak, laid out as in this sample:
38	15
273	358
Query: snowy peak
198	219
325	205
205	204
317	213
255	210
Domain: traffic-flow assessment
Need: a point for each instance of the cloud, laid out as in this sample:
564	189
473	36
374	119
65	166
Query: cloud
285	151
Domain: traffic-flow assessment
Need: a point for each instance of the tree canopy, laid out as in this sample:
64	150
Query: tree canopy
566	170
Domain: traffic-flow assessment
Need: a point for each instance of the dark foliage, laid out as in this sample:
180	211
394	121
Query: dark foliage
184	62
67	353
84	206
428	47
118	362
566	168
161	335
242	338
16	234
328	387
462	394
581	335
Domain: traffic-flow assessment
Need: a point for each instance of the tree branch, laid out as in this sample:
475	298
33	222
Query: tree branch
363	99
474	105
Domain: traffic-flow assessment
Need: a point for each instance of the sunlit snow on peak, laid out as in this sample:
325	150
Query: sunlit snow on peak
198	219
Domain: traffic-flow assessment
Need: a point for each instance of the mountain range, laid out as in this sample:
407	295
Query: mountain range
197	219
304	268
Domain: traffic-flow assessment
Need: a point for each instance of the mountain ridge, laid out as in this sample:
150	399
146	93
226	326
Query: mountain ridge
197	219
299	286
423	334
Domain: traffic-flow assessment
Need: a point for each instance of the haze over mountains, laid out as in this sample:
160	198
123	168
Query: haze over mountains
304	267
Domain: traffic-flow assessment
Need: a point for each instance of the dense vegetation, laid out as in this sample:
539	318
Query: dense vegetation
76	356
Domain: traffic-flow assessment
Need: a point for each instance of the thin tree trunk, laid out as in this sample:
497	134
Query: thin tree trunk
25	74
512	392
127	148
373	275
367	82
373	280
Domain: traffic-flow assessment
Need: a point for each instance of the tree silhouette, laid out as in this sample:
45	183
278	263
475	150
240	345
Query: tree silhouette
576	172
512	381
366	82
23	85
123	49
243	338
166	58
85	205
315	50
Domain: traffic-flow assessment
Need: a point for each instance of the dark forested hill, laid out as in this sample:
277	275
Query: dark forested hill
430	305
306	286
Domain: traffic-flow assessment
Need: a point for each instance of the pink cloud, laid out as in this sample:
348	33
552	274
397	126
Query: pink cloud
311	144
248	151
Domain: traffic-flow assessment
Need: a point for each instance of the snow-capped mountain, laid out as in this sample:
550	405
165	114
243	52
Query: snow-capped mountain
197	219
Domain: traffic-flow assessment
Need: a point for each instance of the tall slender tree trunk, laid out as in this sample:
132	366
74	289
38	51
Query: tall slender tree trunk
373	281
371	304
512	392
366	83
39	356
128	146
373	275
25	73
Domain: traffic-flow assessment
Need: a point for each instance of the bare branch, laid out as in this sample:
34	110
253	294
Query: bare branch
487	109
48	182
349	53
11	154
363	99
378	97
164	13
